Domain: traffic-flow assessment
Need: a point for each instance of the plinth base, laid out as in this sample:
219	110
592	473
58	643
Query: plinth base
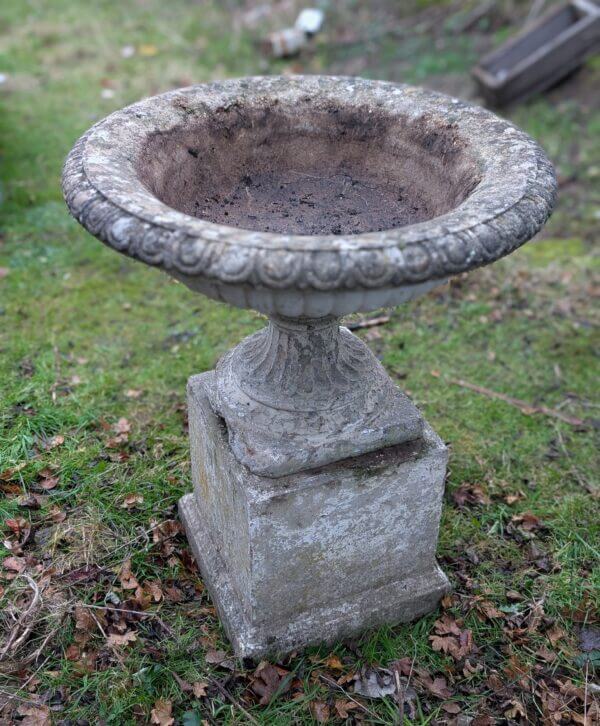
315	556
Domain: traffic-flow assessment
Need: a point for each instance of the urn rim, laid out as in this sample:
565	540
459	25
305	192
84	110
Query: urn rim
514	197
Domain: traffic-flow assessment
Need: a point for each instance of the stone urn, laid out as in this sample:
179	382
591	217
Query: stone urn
317	483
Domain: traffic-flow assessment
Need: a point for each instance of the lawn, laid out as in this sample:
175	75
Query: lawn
104	618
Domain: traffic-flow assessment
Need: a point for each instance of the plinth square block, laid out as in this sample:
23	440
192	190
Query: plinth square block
318	555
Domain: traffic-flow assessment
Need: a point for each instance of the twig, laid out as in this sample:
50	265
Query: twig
399	696
367	323
226	694
523	406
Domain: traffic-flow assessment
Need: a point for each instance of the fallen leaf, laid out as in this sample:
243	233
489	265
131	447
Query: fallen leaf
29	502
73	653
320	711
512	498
589	639
132	500
153	589
8	474
133	393
268	680
375	683
214	657
343	707
554	634
334	663
16	564
526	521
122	426
116	640
55	441
199	689
546	654
57	515
451	707
450	639
48	483
3	272
127	578
34	715
161	714
470	494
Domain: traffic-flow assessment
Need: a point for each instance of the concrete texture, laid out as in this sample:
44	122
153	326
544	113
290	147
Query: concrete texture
315	556
305	393
125	180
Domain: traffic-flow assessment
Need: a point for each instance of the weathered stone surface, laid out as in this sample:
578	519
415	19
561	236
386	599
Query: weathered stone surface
305	393
483	188
318	555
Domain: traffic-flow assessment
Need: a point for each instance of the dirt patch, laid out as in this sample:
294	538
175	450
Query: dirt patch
309	170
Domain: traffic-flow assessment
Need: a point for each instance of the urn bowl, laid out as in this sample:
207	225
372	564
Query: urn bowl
309	196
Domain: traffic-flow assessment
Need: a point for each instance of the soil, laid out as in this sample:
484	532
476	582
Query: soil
309	171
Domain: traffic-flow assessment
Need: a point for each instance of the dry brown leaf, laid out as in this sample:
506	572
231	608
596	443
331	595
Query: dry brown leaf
199	689
214	657
320	711
527	521
268	680
554	634
334	663
133	393
15	564
132	500
48	483
116	640
161	714
55	441
450	639
546	654
72	652
451	707
127	578
8	474
122	426
343	707
34	715
470	494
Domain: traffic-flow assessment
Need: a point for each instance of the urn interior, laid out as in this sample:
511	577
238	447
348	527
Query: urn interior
307	169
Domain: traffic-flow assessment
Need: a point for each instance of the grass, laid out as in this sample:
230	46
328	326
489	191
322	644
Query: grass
88	338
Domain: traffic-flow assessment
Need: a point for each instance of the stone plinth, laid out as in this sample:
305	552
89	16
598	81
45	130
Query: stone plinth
317	555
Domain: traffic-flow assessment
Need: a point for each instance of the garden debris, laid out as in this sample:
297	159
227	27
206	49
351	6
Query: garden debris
162	712
375	683
310	21
289	42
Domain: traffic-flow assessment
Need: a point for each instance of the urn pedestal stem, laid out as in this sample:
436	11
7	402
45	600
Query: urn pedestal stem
303	393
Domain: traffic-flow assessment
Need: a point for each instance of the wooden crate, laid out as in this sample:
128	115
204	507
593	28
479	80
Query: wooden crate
541	55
